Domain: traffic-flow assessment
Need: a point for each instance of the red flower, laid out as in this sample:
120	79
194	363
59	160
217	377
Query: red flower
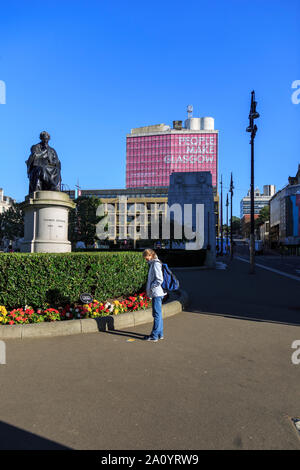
11	322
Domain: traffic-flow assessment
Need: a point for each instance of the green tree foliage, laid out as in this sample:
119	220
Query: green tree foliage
236	225
12	223
264	215
83	220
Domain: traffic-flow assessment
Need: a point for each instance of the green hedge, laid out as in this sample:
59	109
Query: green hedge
59	279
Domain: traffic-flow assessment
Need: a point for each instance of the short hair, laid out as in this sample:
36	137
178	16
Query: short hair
44	134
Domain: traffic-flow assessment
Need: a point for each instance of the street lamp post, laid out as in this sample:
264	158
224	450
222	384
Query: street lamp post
253	129
231	238
221	217
227	231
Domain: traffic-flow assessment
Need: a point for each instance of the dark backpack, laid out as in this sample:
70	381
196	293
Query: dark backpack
170	282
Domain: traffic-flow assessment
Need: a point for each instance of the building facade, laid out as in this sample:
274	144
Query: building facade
260	200
134	211
5	202
153	153
285	216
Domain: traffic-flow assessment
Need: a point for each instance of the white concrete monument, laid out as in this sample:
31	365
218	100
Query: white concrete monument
46	222
193	191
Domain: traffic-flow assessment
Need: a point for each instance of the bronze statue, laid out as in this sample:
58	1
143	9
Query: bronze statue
43	167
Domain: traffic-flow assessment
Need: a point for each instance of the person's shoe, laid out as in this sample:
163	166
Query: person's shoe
161	337
149	338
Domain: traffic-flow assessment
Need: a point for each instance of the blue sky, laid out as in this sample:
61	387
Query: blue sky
89	71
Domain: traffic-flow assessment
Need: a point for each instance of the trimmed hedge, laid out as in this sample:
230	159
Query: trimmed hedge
57	279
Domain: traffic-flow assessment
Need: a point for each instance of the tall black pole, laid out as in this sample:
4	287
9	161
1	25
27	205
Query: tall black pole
252	238
231	237
253	129
227	230
221	217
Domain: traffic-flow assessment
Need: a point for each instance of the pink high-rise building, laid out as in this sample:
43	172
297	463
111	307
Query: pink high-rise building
154	152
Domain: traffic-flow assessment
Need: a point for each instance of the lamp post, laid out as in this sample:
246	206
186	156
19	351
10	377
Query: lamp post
253	129
221	217
231	195
227	231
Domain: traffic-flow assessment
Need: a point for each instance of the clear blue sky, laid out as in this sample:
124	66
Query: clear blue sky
89	71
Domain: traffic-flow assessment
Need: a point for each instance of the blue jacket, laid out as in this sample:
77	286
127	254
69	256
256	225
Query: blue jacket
155	279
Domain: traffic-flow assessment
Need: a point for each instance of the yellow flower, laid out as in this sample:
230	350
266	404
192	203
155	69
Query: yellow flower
3	310
116	311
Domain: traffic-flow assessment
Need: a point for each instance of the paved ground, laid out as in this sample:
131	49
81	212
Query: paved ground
272	259
223	381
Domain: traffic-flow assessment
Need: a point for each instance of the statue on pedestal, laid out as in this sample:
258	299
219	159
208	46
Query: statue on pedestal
43	167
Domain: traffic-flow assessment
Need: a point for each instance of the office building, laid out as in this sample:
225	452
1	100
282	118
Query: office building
154	200
5	202
260	200
153	153
285	216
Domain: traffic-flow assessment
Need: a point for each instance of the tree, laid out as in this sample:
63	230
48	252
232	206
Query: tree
264	215
236	225
83	220
12	223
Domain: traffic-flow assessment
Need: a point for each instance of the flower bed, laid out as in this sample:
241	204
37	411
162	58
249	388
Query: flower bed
76	311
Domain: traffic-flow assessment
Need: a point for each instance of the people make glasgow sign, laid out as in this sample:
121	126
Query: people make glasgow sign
194	149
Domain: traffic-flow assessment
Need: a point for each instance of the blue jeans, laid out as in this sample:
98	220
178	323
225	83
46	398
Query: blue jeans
157	330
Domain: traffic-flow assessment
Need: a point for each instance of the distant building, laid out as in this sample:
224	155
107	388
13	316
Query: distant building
285	216
153	153
5	202
123	206
260	200
155	200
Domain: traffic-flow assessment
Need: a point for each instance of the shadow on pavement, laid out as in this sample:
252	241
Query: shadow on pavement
130	334
13	438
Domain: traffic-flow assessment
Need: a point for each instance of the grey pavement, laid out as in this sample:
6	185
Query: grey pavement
273	259
221	379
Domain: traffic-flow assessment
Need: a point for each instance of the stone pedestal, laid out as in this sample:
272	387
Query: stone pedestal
46	222
194	189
